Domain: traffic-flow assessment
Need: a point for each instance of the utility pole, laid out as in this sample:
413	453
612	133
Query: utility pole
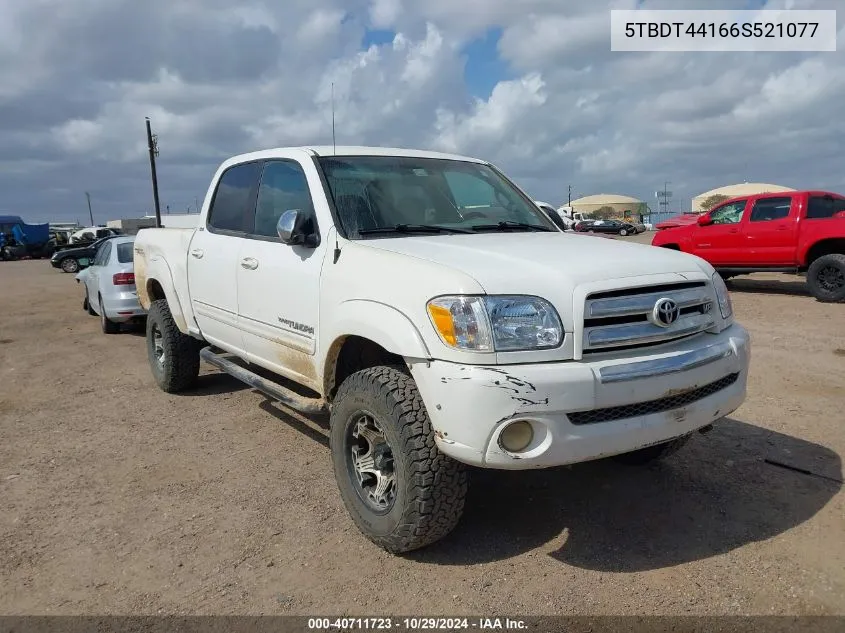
570	196
90	213
663	198
152	145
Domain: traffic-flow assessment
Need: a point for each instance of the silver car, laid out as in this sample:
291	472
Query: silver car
109	284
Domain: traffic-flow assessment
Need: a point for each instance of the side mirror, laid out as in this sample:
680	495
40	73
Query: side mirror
291	229
704	220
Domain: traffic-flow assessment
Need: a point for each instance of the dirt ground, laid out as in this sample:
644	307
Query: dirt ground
116	498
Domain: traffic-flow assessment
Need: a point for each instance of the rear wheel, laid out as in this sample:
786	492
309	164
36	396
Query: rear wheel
109	327
70	265
652	453
826	278
401	492
174	357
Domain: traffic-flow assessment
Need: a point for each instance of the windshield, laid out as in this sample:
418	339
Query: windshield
389	195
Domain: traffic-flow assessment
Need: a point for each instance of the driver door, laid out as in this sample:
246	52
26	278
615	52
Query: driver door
721	243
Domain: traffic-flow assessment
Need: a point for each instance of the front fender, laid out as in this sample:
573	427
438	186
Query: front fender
380	323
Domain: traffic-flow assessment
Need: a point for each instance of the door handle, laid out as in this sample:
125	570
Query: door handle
734	231
250	263
783	228
198	253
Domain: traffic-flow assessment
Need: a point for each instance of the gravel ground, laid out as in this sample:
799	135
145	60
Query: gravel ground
120	499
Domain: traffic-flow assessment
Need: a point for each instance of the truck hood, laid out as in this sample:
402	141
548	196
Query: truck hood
541	263
686	219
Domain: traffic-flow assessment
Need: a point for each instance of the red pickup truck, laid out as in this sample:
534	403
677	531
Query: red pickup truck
797	231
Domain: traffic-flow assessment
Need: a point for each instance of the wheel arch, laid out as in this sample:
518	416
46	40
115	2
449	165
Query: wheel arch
154	281
366	335
827	246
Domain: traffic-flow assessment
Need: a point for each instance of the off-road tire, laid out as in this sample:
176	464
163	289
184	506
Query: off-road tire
819	291
430	487
181	364
70	265
109	327
652	453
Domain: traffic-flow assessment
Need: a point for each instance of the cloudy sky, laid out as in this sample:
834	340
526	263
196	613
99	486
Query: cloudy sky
530	84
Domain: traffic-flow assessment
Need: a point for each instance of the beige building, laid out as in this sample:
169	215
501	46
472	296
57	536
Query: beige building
732	191
622	206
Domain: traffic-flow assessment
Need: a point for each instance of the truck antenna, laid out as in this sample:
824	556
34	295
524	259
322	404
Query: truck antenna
334	144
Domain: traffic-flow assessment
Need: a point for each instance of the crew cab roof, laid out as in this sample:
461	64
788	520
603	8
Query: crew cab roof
779	194
348	150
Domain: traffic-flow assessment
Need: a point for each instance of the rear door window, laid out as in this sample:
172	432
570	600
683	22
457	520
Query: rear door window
822	207
769	209
235	191
102	254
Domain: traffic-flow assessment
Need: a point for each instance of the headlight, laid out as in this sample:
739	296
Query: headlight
723	296
496	323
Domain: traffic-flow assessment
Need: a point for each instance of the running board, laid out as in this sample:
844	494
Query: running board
287	397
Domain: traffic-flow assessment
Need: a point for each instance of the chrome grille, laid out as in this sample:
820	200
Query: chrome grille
623	319
652	406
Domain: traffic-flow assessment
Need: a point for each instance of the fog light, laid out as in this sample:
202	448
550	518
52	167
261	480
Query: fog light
516	436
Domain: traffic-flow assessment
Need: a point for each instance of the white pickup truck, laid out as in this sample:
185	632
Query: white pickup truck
430	307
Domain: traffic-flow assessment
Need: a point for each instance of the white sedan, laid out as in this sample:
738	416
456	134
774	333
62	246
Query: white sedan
109	284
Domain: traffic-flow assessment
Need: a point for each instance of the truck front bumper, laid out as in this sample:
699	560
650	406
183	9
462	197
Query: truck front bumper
584	410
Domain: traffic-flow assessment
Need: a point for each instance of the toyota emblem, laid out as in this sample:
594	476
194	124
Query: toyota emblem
665	312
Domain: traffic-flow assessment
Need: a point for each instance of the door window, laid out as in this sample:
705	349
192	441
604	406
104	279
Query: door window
102	255
231	200
821	207
124	252
283	188
768	209
728	214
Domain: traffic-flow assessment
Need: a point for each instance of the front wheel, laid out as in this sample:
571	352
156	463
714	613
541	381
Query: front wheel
826	278
401	492
70	265
86	304
652	453
623	232
174	357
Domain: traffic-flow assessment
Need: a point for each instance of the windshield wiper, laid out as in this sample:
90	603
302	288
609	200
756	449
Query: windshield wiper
413	228
506	226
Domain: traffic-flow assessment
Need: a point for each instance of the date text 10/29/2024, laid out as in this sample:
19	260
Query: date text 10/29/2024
416	624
